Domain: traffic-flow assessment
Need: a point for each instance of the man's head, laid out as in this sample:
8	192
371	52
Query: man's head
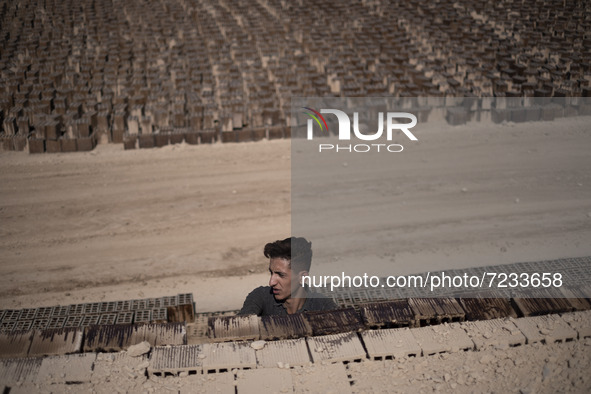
288	259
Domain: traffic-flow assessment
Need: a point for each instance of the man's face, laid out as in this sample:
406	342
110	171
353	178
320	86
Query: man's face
280	280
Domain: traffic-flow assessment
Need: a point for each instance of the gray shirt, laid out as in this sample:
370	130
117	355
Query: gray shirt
261	302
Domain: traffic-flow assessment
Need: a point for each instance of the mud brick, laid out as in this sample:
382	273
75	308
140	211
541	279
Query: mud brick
532	114
393	314
580	322
577	298
51	130
390	343
456	116
15	344
161	139
129	141
541	302
125	317
170	301
76	309
171	360
92	308
436	310
336	348
288	351
487	308
7	326
36	145
518	115
105	307
83	126
146	141
19	142
56	342
89	320
107	318
192	137
233	328
117	135
500	115
229	136
68	145
284	327
86	144
449	338
570	110
44	312
275	133
7	144
333	322
177	137
223	357
60	311
40	323
56	322
244	135
208	136
123	306
23	325
143	316
19	372
547	329
139	305
181	313
495	333
185	298
52	146
28	314
286	132
548	113
258	134
159	315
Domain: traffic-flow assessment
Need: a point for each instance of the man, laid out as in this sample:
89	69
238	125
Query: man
289	261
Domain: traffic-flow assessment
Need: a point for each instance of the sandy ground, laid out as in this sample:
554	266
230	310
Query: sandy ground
111	224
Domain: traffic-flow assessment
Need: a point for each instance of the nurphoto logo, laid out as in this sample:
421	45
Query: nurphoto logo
344	133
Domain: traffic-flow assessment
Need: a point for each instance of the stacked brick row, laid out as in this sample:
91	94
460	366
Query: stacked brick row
150	310
76	73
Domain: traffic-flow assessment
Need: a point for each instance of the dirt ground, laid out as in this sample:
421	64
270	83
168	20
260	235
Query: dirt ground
112	224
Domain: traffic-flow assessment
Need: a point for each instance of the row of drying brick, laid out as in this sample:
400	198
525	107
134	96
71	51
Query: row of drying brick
36	343
97	307
370	344
399	313
158	315
157	140
280	356
574	273
412	312
65	144
171	308
460	115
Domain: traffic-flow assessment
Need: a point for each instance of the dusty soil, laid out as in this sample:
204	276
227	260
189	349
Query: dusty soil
113	224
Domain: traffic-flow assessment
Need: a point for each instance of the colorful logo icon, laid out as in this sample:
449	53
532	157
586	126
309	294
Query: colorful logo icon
315	115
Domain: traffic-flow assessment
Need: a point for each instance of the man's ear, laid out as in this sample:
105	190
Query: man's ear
301	275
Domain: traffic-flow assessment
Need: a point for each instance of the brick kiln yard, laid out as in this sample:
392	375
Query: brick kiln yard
111	225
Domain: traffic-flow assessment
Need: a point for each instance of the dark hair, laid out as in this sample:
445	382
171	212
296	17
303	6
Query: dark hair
298	251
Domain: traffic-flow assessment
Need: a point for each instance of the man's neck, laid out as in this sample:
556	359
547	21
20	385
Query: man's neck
295	303
292	305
